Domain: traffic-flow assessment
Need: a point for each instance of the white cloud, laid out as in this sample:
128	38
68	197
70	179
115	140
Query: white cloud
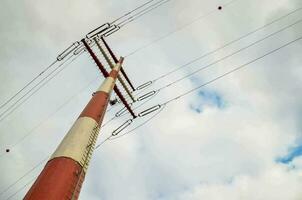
227	153
274	183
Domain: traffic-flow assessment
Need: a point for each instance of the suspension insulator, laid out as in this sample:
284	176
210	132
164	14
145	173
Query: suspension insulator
144	85
79	50
111	30
145	96
98	30
122	111
149	110
122	127
67	51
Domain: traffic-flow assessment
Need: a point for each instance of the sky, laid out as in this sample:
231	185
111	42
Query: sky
237	138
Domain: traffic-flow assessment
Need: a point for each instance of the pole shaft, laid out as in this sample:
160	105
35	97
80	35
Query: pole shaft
64	173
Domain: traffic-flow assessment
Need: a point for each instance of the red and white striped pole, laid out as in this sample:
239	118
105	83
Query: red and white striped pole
64	173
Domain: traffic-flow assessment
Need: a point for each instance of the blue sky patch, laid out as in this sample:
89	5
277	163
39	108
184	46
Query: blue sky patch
196	108
207	98
212	98
292	154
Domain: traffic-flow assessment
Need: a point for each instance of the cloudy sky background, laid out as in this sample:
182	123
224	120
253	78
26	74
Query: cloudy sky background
238	138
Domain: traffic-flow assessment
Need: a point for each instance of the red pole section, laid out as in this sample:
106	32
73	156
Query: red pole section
64	173
115	60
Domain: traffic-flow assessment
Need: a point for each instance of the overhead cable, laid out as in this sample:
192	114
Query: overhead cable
218	49
61	56
231	71
177	29
29	133
34	89
142	12
28	84
221	59
161	106
130	12
24	175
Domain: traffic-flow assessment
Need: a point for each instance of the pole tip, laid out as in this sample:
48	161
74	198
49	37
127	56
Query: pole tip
121	60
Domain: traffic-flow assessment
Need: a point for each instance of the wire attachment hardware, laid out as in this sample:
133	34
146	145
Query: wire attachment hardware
145	96
149	110
79	50
67	51
122	111
122	127
98	30
89	41
142	86
111	30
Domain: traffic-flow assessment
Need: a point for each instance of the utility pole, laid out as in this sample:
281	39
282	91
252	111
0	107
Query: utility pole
64	173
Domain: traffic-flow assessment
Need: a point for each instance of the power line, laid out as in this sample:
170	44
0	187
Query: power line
130	12
51	115
231	71
30	132
60	57
53	63
211	81
177	29
107	29
42	83
137	15
219	48
21	188
142	13
230	55
226	45
28	172
164	104
29	83
213	63
221	59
